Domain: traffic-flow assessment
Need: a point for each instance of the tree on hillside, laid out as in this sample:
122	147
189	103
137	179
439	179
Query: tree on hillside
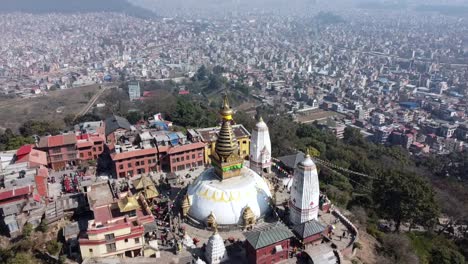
442	254
396	249
353	136
201	74
41	128
22	258
405	197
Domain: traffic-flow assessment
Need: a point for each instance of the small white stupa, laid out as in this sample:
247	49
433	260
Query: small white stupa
305	192
215	249
260	149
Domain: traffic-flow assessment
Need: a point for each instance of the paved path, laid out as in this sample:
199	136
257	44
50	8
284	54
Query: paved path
91	102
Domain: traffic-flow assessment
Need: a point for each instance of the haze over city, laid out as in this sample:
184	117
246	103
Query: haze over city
234	131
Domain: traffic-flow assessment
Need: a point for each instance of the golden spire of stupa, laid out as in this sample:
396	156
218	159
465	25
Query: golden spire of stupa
226	111
226	159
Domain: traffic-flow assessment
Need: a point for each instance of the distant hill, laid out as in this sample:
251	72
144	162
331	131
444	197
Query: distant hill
73	6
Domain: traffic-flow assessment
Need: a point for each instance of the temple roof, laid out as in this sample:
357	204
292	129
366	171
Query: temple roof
268	236
128	203
142	182
309	228
291	161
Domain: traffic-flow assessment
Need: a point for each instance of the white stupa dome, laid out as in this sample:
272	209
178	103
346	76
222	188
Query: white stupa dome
227	199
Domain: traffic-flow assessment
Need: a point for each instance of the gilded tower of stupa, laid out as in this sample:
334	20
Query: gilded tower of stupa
225	159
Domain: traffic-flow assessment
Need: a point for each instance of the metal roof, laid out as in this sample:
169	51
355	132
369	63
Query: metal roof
115	122
271	235
309	228
291	161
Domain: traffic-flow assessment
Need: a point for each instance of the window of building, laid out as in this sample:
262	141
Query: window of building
180	167
111	247
132	213
100	148
137	240
121	167
81	155
56	150
182	158
90	154
58	157
178	159
129	165
71	148
193	156
244	142
109	236
71	156
137	163
122	174
126	240
142	162
90	250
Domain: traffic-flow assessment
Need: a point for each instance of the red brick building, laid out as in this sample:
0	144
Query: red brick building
310	232
134	162
268	245
185	156
61	150
89	147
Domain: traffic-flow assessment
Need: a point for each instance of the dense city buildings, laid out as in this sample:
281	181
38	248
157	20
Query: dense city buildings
138	186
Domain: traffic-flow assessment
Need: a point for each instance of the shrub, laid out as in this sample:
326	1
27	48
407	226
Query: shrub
373	231
53	247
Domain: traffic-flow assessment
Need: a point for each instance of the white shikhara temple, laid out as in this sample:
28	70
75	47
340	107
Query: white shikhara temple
228	193
260	149
215	250
304	200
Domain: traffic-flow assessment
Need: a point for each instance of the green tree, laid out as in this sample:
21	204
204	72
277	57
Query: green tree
444	255
353	136
202	73
22	258
53	247
133	117
27	230
41	128
218	70
405	197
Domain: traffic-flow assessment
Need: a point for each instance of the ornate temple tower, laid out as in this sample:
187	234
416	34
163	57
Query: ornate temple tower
304	200
215	249
225	159
260	149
